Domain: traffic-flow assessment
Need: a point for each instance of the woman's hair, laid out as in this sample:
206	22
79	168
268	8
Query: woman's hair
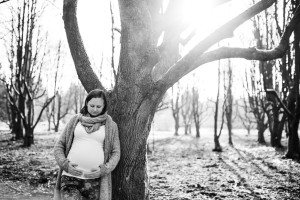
96	93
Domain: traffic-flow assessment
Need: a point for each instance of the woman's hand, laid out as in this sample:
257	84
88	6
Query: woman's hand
95	173
73	170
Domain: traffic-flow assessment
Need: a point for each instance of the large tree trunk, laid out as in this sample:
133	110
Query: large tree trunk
294	104
134	101
130	180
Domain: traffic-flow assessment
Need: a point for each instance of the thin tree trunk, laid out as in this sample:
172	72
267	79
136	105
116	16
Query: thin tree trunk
17	127
216	136
279	132
28	139
49	123
186	129
56	127
261	137
197	130
176	126
218	147
229	134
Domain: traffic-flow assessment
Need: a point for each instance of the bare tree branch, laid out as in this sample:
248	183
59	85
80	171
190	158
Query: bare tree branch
3	1
187	63
78	52
253	53
273	92
113	41
48	101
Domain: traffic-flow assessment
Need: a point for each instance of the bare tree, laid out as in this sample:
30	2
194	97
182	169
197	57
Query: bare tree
56	62
164	104
28	50
176	107
4	107
293	98
257	101
186	110
217	133
146	71
269	73
246	116
229	99
59	111
3	1
199	110
78	93
285	72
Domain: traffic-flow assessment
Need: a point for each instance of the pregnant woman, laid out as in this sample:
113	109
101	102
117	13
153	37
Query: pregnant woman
87	152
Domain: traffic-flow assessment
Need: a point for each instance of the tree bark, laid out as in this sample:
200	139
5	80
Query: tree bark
79	55
294	104
176	127
216	136
130	180
28	138
261	129
175	109
17	127
197	130
218	147
229	102
229	134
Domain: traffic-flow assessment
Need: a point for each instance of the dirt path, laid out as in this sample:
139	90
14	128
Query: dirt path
186	168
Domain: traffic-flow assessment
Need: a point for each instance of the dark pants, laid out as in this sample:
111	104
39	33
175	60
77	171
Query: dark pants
79	189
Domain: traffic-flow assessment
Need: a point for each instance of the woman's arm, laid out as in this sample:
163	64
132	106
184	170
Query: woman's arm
60	149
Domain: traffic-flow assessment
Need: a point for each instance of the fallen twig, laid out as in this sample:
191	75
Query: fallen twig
16	189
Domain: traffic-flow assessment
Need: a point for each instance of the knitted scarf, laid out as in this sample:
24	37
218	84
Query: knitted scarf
92	124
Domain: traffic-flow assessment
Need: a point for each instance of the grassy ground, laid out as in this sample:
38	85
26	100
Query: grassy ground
181	167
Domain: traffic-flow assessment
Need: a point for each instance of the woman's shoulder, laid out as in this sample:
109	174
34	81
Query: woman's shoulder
74	118
113	123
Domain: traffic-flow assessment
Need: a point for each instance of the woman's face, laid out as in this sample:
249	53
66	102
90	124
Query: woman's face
95	106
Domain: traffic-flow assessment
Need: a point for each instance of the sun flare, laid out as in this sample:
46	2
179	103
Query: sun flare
204	17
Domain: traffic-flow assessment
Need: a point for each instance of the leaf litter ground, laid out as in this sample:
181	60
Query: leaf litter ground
181	168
